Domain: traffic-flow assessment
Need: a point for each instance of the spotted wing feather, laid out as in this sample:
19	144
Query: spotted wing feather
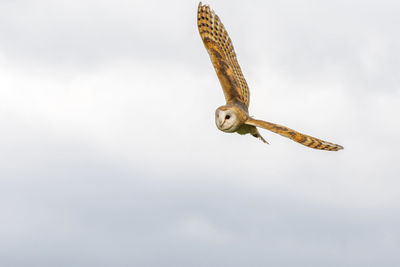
303	139
223	56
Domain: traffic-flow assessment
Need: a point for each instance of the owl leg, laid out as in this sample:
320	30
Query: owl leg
250	129
258	135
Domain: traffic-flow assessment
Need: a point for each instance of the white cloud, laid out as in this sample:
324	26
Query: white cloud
199	229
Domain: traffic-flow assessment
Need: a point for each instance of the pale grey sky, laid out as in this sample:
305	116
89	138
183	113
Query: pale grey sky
110	156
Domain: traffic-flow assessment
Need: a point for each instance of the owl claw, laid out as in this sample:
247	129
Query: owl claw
257	135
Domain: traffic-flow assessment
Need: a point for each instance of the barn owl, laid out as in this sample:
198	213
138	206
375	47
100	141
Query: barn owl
234	116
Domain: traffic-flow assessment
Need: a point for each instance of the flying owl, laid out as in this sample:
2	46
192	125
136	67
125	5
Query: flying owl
234	115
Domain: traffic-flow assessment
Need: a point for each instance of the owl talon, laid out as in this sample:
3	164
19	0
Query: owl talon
257	135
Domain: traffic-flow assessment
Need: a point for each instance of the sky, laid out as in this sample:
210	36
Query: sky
110	155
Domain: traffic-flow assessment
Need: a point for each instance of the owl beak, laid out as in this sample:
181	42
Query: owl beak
221	121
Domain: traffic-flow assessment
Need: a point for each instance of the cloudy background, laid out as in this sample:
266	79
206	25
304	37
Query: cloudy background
109	155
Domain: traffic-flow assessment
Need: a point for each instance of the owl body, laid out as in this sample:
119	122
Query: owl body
234	116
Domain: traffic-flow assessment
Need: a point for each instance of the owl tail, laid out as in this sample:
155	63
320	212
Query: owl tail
303	139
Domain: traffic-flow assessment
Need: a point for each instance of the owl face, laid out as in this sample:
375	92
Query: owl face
226	119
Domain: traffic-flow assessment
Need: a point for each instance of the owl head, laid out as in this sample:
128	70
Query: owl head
228	118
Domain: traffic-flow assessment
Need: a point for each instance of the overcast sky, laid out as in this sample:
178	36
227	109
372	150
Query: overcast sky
110	155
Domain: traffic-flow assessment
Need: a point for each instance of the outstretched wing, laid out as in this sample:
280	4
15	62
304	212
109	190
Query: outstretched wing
223	56
295	136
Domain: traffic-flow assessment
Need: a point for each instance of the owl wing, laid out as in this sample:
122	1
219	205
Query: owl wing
223	56
295	136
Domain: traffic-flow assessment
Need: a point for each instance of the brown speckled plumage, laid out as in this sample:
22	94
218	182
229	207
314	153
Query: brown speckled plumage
223	56
233	117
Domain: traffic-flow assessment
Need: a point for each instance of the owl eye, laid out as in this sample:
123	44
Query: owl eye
227	117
